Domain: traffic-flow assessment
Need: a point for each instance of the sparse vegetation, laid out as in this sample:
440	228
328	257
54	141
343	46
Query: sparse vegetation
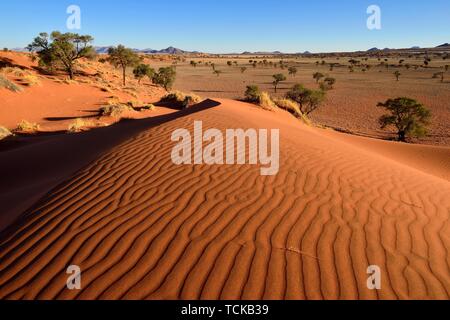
149	107
279	77
26	126
7	84
327	84
289	105
62	50
397	74
115	110
243	69
185	100
252	93
265	101
165	77
4	133
143	70
317	76
408	116
292	71
308	100
78	125
123	57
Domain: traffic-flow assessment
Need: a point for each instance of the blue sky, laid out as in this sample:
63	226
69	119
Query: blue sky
234	25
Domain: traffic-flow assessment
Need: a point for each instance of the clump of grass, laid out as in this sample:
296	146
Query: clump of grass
149	107
181	97
31	80
266	102
289	105
26	126
78	125
17	72
4	133
115	110
8	84
135	103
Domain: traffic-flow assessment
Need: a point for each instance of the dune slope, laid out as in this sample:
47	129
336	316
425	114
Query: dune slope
141	227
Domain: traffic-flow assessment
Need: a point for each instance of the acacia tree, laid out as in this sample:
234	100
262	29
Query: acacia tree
327	83
317	76
62	49
292	71
279	77
408	116
143	70
165	77
123	57
308	100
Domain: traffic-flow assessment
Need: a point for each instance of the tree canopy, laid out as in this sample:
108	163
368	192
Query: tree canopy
408	116
62	50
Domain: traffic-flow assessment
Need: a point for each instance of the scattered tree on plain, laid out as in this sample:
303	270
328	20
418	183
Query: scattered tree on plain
252	93
292	71
308	100
165	77
409	117
279	77
317	76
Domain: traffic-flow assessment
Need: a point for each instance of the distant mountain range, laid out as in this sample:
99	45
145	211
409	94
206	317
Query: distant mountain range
169	50
176	51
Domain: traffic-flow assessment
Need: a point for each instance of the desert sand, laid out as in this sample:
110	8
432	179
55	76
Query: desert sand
141	227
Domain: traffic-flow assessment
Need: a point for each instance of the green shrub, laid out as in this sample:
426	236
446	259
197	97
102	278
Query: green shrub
165	77
309	100
252	93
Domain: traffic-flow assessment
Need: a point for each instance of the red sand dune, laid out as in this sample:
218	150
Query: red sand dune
141	227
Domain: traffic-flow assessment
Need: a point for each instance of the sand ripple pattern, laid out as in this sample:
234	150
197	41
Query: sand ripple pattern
142	228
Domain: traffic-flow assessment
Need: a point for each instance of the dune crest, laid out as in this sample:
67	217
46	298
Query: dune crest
141	227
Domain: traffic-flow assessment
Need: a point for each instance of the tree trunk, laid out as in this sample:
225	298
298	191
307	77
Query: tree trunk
71	75
124	69
402	136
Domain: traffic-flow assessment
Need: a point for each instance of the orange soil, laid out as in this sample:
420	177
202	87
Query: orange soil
141	227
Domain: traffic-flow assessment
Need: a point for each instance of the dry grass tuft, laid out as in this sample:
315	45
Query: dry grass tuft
4	133
8	84
78	125
149	107
115	110
31	80
266	102
26	126
181	97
